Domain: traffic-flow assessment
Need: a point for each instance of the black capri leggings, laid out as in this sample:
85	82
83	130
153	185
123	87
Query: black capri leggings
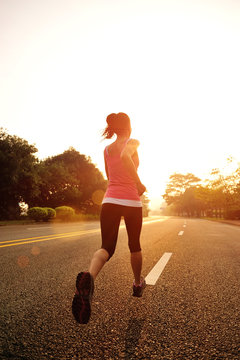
110	220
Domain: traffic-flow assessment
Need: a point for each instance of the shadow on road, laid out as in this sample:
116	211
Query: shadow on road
133	334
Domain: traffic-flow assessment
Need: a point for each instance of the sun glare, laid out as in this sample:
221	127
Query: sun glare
172	66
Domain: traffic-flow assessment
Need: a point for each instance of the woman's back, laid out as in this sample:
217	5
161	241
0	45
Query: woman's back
116	147
121	185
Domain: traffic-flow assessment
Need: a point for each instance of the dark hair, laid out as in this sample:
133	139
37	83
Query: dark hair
116	124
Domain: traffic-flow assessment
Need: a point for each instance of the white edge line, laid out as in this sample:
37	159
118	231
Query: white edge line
153	221
144	223
40	228
156	271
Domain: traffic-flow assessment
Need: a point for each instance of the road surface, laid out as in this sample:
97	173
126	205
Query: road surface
191	310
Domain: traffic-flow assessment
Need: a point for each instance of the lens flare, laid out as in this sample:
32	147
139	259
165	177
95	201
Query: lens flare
23	261
97	197
35	250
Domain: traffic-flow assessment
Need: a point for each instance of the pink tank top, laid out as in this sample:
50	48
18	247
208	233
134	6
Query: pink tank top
120	185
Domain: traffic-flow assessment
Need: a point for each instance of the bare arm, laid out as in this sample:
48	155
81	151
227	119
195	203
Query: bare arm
106	168
126	156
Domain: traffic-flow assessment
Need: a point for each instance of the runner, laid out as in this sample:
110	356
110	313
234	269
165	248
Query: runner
122	198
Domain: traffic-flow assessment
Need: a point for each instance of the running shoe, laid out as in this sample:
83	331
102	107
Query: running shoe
138	290
81	304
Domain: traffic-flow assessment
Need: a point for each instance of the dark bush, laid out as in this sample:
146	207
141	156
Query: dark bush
51	213
65	213
37	213
232	214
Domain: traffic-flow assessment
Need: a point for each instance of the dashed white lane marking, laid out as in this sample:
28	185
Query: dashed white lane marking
184	225
156	271
181	233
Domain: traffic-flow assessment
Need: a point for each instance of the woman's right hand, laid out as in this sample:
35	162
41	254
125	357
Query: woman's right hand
141	188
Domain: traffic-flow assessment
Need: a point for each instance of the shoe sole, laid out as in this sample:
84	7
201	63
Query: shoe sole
81	304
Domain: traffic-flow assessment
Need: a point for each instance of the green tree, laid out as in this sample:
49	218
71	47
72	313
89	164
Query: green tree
68	179
18	180
222	190
177	186
191	203
219	196
206	196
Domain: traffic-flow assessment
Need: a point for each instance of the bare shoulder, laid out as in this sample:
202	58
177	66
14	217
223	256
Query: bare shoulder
133	142
130	148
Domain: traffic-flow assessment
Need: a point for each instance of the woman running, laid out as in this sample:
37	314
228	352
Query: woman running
122	198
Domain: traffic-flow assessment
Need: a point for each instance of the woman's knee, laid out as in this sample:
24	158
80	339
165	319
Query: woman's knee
134	247
110	251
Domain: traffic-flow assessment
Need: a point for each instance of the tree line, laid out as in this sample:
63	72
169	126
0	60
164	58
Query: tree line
68	179
219	196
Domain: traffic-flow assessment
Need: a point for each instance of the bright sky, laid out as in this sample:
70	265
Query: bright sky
171	65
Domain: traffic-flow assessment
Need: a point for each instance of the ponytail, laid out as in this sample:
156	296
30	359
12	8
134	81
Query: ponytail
107	133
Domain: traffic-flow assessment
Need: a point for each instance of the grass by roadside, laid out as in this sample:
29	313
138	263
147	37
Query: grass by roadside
212	218
222	220
16	222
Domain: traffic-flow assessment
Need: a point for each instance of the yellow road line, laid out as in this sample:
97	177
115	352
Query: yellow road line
56	236
47	238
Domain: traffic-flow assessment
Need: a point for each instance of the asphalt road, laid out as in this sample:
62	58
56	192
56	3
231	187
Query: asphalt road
192	312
